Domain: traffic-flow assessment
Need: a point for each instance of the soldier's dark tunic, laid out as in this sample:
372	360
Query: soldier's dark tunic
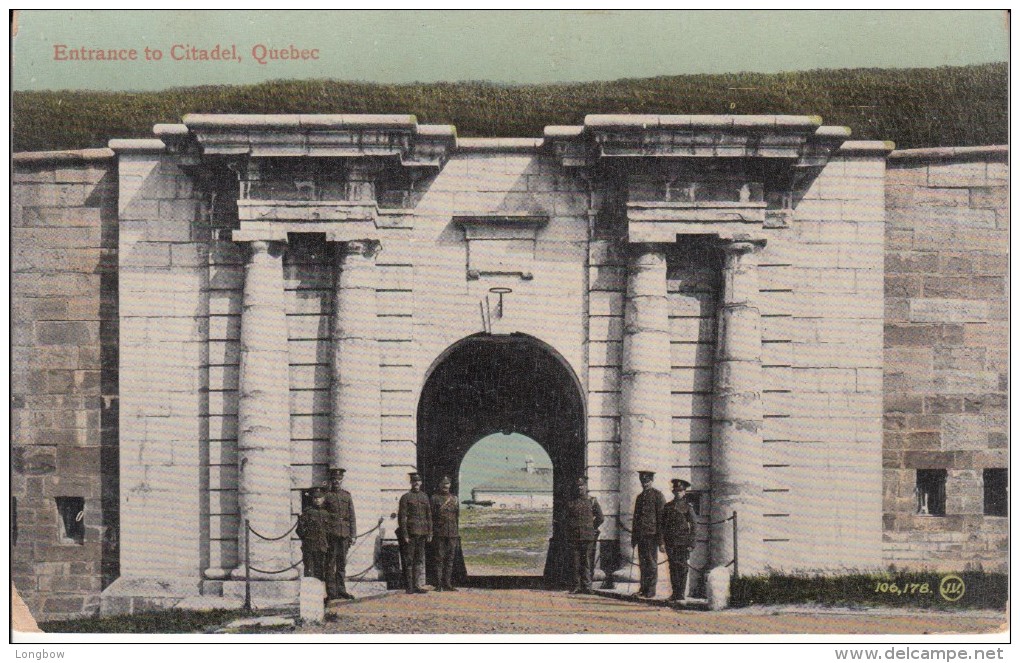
344	529
584	517
313	528
445	536
414	518
678	536
646	530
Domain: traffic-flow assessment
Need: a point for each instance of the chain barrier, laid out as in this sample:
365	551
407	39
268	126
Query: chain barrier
358	539
270	538
258	570
707	523
366	533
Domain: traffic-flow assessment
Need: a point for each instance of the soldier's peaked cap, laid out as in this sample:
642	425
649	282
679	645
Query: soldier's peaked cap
414	476
683	484
646	473
445	480
316	492
337	472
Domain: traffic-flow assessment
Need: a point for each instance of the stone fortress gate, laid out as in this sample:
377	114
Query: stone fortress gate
301	292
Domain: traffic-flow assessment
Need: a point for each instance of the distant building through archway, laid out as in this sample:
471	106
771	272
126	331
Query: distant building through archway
507	506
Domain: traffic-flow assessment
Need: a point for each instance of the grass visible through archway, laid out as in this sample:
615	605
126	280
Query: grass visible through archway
511	535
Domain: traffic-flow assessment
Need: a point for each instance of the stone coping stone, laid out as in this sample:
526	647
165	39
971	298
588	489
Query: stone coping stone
170	130
298	121
866	148
833	131
563	131
712	122
62	156
437	131
129	145
975	153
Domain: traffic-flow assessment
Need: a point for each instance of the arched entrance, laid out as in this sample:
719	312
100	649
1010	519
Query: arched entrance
485	384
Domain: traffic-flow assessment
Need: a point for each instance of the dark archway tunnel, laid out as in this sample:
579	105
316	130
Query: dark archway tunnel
513	383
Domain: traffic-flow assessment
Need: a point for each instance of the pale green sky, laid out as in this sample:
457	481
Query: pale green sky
493	455
397	46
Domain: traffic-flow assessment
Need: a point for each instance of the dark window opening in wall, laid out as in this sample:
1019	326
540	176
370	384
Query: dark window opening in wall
996	491
72	519
931	492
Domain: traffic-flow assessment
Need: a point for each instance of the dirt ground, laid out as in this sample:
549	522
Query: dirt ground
538	611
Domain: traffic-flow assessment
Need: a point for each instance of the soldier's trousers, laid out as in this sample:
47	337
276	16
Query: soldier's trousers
412	557
678	570
336	567
315	563
446	553
583	553
648	558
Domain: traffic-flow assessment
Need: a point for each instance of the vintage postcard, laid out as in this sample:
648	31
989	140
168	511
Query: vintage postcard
421	325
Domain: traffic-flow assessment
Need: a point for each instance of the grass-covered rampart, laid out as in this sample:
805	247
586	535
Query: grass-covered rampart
946	106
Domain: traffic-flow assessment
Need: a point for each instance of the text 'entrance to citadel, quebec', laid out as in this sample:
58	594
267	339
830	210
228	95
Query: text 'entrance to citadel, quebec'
487	384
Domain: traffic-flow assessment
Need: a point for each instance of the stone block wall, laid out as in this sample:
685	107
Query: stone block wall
163	278
64	379
946	352
820	282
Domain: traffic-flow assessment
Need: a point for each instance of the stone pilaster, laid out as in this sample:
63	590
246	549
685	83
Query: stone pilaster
263	432
737	453
646	422
354	438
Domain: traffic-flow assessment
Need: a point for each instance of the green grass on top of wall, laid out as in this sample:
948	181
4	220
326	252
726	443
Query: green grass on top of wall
945	106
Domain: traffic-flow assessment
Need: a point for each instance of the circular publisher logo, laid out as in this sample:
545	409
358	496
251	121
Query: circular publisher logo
951	588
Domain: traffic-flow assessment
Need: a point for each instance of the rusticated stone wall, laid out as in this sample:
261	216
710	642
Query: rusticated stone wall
946	352
64	378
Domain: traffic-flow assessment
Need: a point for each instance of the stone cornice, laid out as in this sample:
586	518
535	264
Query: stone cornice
305	210
314	136
697	136
500	226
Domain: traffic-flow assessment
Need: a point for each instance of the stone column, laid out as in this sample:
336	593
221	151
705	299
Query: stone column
646	434
355	431
737	452
263	413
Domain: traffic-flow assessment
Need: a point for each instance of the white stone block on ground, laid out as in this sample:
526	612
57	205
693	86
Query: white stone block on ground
718	588
312	600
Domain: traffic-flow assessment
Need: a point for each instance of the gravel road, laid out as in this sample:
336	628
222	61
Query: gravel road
536	611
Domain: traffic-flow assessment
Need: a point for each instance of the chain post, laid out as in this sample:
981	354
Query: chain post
247	566
736	557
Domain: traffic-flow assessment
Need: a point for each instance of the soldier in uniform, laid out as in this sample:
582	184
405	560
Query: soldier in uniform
445	534
313	527
678	535
646	532
584	517
340	506
414	518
